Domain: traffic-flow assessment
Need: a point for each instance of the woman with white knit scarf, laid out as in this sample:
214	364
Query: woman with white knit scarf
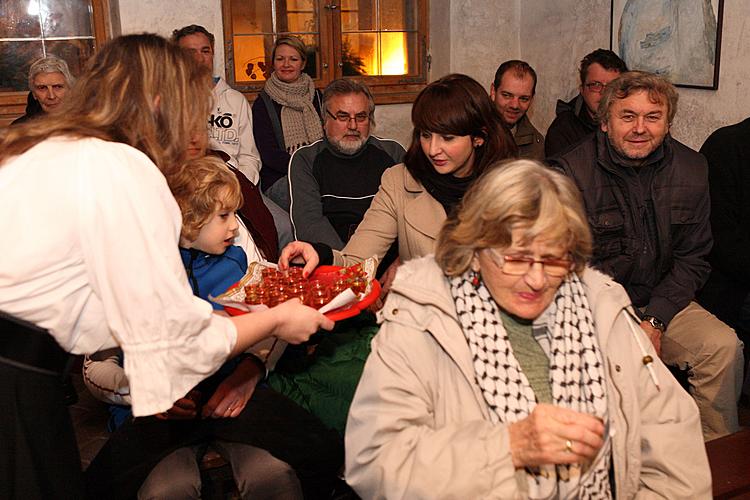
286	114
506	368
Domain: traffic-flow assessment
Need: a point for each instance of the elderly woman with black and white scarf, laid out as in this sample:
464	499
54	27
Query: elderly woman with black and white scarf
506	368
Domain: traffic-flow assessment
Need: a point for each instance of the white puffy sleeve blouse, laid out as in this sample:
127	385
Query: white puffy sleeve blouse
89	235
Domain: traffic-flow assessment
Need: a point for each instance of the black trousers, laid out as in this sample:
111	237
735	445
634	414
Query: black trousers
269	421
38	452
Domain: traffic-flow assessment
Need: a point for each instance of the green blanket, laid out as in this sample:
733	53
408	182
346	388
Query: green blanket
322	375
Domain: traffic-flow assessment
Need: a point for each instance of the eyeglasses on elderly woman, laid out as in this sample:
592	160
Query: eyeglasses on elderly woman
518	265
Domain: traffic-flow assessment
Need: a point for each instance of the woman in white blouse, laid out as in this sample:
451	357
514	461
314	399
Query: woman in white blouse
90	258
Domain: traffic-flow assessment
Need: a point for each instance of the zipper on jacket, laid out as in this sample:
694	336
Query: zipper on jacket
190	274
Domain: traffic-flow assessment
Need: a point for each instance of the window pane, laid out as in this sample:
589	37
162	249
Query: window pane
398	53
19	19
384	53
358	15
378	15
250	63
252	57
358	52
75	52
251	16
298	16
390	48
15	60
254	27
398	15
66	17
256	16
312	67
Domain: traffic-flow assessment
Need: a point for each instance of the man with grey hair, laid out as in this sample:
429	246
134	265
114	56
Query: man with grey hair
333	180
49	82
647	200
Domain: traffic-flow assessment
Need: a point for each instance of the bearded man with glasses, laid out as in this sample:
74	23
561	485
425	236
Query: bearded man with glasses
332	181
577	118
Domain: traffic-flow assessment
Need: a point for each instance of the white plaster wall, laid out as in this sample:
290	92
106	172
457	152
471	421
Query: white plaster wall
440	38
163	16
466	36
554	38
394	122
484	33
556	35
700	112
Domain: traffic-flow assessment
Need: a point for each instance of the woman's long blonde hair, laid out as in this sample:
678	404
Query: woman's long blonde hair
140	90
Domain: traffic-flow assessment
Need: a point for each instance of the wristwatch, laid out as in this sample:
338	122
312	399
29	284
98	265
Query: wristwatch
656	323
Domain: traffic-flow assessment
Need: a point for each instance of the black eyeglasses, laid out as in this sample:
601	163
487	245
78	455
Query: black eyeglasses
595	86
518	265
346	117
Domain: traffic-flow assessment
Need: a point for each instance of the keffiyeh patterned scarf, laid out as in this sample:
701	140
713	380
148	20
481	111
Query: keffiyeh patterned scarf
575	370
300	122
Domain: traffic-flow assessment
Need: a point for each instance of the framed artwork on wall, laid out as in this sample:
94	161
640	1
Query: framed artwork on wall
679	39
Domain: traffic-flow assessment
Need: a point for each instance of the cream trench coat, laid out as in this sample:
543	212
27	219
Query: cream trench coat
401	209
419	427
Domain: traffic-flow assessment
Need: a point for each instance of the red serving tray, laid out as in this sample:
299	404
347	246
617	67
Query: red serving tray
348	311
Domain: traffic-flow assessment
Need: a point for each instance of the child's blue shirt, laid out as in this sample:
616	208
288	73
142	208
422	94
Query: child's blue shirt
210	274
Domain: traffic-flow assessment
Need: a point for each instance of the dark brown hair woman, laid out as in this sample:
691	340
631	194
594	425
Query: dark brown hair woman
457	136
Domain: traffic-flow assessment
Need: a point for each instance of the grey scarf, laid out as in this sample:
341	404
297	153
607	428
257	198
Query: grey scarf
299	120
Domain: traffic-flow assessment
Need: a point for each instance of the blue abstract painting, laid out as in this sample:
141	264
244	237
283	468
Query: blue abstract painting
678	39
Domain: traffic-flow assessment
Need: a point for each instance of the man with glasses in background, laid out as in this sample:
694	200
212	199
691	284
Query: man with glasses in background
647	201
577	118
332	181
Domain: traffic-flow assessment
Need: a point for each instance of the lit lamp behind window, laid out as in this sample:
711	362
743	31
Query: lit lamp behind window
393	48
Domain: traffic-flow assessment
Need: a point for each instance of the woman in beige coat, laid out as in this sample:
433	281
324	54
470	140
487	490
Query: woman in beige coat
505	368
457	135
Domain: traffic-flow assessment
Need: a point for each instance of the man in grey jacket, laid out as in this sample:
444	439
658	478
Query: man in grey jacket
332	181
647	201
